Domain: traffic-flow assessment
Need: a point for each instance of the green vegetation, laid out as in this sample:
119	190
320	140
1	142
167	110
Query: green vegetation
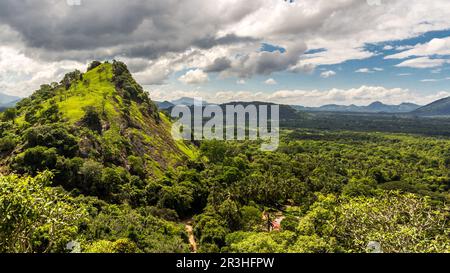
94	134
90	162
35	217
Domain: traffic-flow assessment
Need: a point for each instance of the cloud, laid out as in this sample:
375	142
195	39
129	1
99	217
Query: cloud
160	38
362	95
368	70
422	62
219	65
327	74
266	63
20	75
271	82
241	81
196	76
364	70
429	80
436	46
435	80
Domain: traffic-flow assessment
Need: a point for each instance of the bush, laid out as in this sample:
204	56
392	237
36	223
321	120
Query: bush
7	143
92	119
36	159
289	223
52	136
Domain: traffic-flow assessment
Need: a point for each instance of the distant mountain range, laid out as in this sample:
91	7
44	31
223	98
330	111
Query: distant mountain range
286	112
182	101
164	105
437	108
7	101
375	107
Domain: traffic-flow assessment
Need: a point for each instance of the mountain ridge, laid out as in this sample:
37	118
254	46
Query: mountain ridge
374	107
8	101
440	107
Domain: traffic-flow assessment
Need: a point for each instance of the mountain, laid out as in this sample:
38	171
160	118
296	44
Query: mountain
164	105
438	108
187	101
7	101
97	131
375	107
286	112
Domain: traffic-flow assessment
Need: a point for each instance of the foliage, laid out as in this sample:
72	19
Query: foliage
35	217
400	223
121	229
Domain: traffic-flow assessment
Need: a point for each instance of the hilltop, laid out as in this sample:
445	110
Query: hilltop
88	122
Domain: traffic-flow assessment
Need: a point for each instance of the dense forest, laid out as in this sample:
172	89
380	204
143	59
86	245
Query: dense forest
88	165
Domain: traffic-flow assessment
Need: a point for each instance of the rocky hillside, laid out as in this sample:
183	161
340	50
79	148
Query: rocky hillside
89	122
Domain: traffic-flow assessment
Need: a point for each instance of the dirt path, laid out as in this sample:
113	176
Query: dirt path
190	232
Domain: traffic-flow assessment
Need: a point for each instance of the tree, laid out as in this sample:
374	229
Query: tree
215	150
36	159
51	114
35	217
91	171
93	65
399	222
9	115
91	119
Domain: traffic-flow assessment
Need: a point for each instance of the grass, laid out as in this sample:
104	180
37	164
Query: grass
96	89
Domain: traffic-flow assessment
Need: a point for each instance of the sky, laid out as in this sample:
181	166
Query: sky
303	52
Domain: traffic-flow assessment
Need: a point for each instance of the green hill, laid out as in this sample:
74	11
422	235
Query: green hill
98	119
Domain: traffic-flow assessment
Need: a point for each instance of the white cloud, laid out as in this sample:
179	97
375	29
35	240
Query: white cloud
241	81
364	70
435	80
368	70
436	46
403	47
430	80
271	82
196	76
21	75
422	62
327	74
